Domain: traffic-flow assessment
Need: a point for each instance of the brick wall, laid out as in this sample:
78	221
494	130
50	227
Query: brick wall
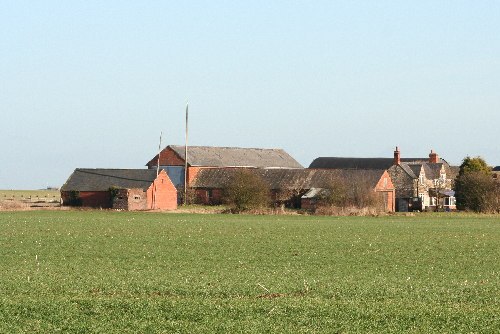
137	199
130	199
162	194
386	188
208	196
167	158
95	199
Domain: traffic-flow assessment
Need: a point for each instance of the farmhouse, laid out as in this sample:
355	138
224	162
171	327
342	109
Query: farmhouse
126	189
294	187
172	160
420	183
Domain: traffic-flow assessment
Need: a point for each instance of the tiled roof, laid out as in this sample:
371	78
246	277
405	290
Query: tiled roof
99	179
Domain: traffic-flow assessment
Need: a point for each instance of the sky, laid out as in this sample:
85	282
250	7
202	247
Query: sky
91	84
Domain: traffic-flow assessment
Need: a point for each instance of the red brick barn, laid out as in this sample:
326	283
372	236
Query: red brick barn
126	189
172	159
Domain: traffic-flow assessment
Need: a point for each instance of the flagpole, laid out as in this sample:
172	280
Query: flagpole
186	157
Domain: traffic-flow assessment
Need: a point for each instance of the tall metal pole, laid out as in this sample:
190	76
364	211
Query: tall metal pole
157	171
159	152
186	157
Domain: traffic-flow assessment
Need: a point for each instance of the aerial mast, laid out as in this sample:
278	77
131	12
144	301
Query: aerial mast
186	157
157	171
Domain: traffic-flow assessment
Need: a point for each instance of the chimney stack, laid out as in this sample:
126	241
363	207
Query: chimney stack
433	157
397	157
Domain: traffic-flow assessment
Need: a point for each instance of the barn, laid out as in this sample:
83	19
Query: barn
288	186
125	189
172	159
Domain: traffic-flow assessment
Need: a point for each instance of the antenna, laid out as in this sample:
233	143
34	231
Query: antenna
186	156
159	152
157	171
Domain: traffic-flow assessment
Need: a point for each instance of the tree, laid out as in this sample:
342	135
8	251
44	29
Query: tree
475	188
246	191
476	164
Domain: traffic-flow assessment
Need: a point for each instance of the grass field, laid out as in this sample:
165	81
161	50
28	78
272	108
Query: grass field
119	272
24	194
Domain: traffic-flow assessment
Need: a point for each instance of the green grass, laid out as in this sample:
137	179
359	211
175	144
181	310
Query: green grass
119	272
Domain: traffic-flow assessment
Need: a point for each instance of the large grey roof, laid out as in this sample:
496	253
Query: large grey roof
288	178
358	163
236	157
99	179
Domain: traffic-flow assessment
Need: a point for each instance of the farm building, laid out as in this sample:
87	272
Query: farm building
288	186
172	160
126	189
420	183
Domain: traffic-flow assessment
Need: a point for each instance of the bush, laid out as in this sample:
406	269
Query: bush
475	188
477	191
346	193
246	191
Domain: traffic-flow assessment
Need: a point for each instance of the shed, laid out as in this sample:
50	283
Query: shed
127	189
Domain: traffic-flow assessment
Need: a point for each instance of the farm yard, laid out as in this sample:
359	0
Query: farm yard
140	272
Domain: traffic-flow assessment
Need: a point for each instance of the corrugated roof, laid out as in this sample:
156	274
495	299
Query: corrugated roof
100	179
315	192
209	156
288	178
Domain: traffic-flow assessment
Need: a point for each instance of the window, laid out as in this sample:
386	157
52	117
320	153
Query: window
137	197
421	179
385	182
449	201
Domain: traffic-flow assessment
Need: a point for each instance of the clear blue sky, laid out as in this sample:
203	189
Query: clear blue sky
92	83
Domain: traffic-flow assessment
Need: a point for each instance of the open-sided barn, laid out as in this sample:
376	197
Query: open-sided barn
290	185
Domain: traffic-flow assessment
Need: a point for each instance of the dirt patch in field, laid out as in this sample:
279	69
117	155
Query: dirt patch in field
13	206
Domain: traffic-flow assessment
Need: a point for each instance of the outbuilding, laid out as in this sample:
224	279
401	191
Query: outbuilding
125	189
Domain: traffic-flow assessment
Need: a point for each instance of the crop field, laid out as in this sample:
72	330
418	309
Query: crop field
25	194
122	272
